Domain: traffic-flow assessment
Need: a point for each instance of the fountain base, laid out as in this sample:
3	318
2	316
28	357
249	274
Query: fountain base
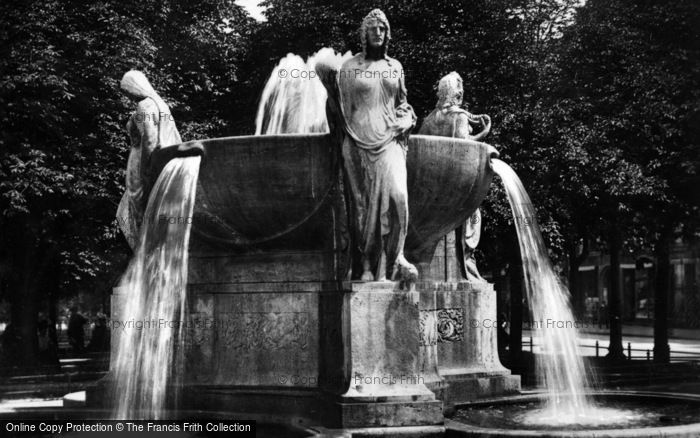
459	347
474	386
344	355
381	337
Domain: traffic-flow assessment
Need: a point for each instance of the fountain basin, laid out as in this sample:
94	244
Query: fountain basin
686	408
273	325
448	178
654	415
271	191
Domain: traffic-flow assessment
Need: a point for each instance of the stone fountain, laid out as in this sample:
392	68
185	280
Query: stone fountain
274	324
278	331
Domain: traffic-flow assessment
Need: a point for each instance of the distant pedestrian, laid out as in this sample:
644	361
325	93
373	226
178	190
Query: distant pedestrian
48	351
100	336
76	333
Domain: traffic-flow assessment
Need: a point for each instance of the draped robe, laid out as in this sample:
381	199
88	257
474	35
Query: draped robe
377	119
149	127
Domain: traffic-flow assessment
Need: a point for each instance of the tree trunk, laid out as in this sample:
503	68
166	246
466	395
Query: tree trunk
33	267
575	261
53	321
24	310
54	290
662	351
615	351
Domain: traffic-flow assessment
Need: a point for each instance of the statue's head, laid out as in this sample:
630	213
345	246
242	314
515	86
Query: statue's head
136	86
375	32
450	90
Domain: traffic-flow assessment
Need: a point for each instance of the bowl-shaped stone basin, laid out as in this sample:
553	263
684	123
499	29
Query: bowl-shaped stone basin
448	179
255	189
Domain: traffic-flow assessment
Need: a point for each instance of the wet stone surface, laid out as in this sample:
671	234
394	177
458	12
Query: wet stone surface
612	414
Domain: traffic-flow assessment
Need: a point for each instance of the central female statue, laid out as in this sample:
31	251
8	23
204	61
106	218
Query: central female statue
377	120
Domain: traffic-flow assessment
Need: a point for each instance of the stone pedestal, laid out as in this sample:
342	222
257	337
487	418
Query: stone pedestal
345	355
459	332
467	343
382	345
428	358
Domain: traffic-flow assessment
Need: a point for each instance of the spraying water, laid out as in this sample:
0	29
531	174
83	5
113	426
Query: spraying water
560	367
149	359
294	99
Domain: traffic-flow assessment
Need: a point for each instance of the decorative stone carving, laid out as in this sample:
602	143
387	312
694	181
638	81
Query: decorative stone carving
252	331
267	331
450	325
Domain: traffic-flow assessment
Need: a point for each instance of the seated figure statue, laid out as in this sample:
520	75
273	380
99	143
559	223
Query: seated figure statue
376	120
150	126
448	119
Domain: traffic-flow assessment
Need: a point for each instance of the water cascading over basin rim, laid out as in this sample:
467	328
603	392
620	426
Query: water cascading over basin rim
255	189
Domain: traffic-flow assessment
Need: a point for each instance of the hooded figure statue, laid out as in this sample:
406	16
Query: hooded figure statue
377	119
150	126
449	119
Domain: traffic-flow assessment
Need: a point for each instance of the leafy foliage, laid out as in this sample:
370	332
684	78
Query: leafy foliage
63	141
595	104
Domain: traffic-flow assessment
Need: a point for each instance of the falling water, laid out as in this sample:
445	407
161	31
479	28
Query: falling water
148	360
294	99
560	366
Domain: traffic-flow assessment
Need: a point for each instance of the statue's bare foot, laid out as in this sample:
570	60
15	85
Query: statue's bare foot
405	271
367	276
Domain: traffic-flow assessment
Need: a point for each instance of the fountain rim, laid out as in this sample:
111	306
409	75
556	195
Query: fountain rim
468	430
320	134
252	136
543	394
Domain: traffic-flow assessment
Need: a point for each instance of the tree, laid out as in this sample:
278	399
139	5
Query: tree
63	142
629	76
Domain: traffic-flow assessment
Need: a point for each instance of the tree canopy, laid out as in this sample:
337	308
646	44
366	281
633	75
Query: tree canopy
595	104
63	141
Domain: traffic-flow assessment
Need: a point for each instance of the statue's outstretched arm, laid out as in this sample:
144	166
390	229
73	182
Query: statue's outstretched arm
486	121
